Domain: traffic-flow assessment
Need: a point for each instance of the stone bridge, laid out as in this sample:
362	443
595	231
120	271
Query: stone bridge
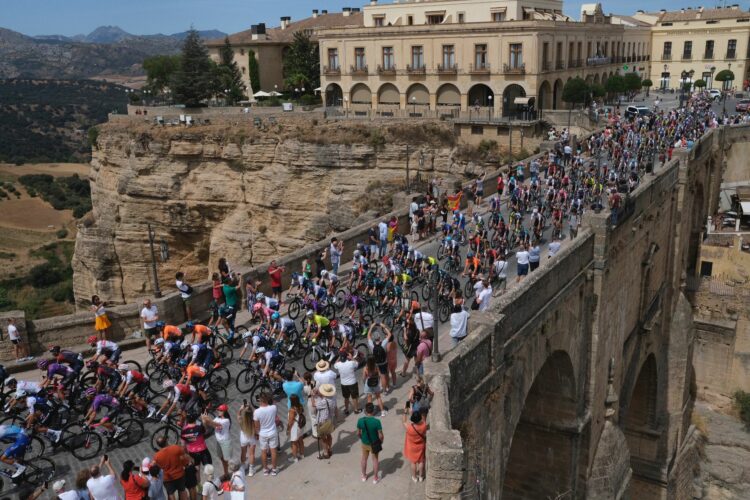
579	383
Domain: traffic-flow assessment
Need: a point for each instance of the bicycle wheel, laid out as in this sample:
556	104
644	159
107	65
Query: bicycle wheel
444	311
468	289
245	380
34	449
414	296
133	432
85	445
340	299
310	358
363	349
294	309
330	311
151	367
427	291
225	353
220	377
39	470
168	431
261	388
132	365
158	400
441	252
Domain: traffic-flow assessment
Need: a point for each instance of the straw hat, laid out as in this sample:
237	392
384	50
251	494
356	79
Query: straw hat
327	390
322	365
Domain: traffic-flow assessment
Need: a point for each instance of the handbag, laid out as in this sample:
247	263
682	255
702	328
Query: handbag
327	426
376	444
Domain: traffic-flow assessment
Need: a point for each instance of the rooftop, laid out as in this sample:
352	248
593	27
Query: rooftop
701	14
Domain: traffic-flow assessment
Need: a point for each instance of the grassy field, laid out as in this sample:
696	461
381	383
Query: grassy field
28	225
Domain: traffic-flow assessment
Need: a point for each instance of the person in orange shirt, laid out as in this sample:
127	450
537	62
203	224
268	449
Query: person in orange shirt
201	332
171	331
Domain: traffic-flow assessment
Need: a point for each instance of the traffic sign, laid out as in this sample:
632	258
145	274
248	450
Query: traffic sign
625	67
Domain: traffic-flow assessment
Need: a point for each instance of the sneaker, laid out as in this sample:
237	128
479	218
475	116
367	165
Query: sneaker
357	411
383	413
119	431
251	471
291	460
151	411
375	480
20	469
414	478
346	412
274	472
55	435
266	472
364	479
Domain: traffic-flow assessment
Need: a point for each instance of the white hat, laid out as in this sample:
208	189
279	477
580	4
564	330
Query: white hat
146	464
208	470
58	486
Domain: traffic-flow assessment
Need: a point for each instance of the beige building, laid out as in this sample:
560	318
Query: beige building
269	45
704	41
466	54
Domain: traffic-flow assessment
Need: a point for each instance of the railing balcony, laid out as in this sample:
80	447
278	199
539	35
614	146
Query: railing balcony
386	70
546	65
418	70
666	56
687	57
708	55
598	61
447	69
331	70
731	55
559	65
358	70
480	69
519	69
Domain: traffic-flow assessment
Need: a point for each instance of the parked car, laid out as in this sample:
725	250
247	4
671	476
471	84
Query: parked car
742	105
633	111
715	94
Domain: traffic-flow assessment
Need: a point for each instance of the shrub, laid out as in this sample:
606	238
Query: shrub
44	275
742	403
62	233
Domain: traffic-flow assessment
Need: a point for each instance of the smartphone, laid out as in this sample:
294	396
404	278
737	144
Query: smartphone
46	485
106	458
244	402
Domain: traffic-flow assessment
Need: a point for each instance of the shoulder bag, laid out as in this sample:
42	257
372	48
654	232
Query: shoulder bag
376	444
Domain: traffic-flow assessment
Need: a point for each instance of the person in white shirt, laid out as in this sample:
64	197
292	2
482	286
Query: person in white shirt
222	425
424	322
347	369
19	347
265	428
324	375
58	488
522	258
185	292
554	247
103	487
211	488
459	322
149	318
483	297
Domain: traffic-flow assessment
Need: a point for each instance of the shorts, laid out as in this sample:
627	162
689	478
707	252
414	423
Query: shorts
175	485
140	388
16	450
383	369
191	477
201	457
225	449
150	332
533	265
246	440
276	289
523	269
15	341
114	356
187	300
373	390
350	391
269	442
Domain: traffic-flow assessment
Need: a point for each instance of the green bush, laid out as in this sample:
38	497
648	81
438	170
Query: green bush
62	193
62	233
45	275
62	292
742	403
7	255
309	100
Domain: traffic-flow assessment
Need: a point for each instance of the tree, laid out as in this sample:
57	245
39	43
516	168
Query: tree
597	90
647	84
700	84
725	76
575	90
194	81
160	71
615	85
228	75
254	71
302	63
632	82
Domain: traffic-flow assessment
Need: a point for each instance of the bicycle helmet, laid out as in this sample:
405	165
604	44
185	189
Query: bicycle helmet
323	273
90	392
259	296
356	253
55	349
160	324
247	335
182	363
92	339
20	393
448	238
334	323
309	313
10	381
123	367
275	316
190	325
42	364
469	254
159	341
257	307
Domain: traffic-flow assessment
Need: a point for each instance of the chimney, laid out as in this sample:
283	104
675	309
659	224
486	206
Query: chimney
355	9
324	11
315	13
373	2
346	11
735	6
285	22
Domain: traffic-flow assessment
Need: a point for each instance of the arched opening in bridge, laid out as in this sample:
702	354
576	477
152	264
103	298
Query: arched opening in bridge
543	95
361	95
557	92
639	423
334	95
418	96
510	108
542	454
481	95
388	95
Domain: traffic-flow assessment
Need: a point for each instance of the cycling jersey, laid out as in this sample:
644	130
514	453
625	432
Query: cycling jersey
28	387
10	431
194	437
59	369
473	263
106	347
274	360
74	359
183	391
432	261
195	371
320	321
272	303
200	351
37	403
171	331
105	400
202	332
135	376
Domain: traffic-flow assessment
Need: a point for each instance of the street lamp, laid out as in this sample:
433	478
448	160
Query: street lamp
489	108
414	105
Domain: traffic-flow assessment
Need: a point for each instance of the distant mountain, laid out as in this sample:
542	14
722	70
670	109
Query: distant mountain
108	50
205	34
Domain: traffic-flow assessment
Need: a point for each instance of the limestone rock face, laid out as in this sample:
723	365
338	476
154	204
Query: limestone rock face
209	195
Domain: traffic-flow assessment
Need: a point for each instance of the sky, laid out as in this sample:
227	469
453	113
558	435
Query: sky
142	17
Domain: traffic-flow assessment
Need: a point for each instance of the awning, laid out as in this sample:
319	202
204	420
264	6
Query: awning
522	100
260	93
745	206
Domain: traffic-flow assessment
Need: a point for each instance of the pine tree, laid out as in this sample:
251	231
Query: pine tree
302	63
229	75
254	71
193	82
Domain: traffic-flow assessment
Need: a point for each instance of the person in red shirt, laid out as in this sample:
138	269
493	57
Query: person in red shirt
172	460
275	271
134	485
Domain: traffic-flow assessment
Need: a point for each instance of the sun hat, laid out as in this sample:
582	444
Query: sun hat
146	464
327	390
322	365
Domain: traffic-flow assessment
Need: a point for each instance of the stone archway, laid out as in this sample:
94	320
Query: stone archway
557	92
389	96
448	95
361	95
543	96
418	95
510	108
540	461
596	79
334	95
481	95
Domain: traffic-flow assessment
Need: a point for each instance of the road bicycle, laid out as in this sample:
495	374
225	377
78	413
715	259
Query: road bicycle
39	470
85	441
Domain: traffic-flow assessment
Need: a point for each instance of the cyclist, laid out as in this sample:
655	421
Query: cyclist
106	350
66	374
281	327
428	264
472	265
262	313
40	410
70	358
22	388
201	334
112	404
322	326
13	455
274	363
332	279
172	332
108	378
139	389
201	355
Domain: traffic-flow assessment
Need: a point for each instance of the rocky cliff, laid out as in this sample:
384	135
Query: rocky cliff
235	192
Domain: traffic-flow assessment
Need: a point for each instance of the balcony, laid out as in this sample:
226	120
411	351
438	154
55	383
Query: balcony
358	70
332	70
708	55
479	69
666	56
547	66
519	69
559	65
447	69
387	70
416	70
598	61
731	55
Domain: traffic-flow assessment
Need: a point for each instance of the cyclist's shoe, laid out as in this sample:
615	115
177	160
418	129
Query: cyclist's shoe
54	435
164	419
151	412
20	469
119	431
230	337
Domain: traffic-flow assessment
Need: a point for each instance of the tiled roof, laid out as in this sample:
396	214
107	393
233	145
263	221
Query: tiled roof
697	15
278	35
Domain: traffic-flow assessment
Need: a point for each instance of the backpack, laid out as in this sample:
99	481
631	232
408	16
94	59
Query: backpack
379	354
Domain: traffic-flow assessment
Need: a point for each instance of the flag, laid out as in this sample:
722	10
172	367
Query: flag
454	201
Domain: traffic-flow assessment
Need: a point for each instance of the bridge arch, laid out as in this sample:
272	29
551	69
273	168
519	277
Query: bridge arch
538	443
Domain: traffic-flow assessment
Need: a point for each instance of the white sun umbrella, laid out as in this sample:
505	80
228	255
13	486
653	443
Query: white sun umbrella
273	93
261	93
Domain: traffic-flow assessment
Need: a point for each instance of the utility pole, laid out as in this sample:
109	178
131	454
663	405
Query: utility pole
408	182
436	319
157	290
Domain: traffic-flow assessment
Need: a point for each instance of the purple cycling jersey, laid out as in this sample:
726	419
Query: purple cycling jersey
105	400
58	369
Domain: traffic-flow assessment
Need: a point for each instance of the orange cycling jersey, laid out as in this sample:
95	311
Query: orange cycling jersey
473	263
201	331
171	331
195	371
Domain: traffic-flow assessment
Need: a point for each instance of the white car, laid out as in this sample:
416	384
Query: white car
715	94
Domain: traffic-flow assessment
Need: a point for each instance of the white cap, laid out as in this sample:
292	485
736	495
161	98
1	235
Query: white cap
145	464
58	486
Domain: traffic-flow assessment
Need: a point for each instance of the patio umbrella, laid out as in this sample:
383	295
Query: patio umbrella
260	93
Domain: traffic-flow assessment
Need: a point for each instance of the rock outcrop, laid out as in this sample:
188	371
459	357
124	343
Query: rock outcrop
239	193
